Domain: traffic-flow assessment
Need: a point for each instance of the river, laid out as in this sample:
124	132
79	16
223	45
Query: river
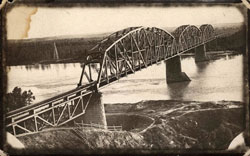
214	80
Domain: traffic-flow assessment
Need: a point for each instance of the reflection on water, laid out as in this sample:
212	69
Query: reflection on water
38	66
210	81
177	94
220	79
201	67
44	80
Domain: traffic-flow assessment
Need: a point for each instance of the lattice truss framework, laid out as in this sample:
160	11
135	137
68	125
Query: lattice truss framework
134	48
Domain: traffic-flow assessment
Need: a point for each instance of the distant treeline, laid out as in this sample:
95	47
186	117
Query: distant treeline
24	52
233	39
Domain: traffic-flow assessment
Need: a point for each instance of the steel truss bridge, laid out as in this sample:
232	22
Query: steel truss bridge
118	55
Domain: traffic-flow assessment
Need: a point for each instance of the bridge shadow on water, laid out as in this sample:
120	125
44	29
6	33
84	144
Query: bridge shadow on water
201	67
177	90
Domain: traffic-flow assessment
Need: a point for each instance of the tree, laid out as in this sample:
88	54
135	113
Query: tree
17	99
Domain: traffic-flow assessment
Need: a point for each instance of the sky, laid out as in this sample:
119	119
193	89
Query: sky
29	22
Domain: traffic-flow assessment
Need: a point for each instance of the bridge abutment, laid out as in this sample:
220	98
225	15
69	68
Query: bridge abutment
173	70
200	53
95	112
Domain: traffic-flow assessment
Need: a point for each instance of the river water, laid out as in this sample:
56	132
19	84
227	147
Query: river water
214	80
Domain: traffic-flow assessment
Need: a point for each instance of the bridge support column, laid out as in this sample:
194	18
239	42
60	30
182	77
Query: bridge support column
200	53
173	71
95	112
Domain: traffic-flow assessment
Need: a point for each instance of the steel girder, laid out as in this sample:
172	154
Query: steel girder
52	112
135	49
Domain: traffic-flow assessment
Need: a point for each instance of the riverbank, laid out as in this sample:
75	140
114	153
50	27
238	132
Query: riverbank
178	126
188	124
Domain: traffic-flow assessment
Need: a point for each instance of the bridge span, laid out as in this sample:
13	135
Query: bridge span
118	55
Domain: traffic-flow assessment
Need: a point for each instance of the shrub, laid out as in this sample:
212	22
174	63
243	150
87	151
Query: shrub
17	99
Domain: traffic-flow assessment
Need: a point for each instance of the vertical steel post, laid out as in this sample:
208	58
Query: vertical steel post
13	127
36	126
69	110
90	74
80	81
132	53
53	114
106	69
116	63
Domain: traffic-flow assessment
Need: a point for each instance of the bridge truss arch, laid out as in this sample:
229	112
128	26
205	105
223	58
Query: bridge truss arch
189	37
208	32
177	32
127	51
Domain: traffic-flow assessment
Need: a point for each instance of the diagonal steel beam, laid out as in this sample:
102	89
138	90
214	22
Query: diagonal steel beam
139	51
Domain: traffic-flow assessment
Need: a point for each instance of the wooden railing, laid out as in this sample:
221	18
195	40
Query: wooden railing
97	126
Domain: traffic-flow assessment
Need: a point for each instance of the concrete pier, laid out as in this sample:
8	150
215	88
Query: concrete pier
200	53
173	71
95	112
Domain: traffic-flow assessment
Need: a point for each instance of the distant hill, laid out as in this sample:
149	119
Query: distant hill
32	51
73	48
63	37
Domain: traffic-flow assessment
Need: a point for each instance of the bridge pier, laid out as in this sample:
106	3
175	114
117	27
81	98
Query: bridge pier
173	70
95	112
200	53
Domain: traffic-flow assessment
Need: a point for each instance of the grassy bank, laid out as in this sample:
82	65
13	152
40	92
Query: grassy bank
179	126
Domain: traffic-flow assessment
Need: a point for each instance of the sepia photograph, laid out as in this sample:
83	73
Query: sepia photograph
127	78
